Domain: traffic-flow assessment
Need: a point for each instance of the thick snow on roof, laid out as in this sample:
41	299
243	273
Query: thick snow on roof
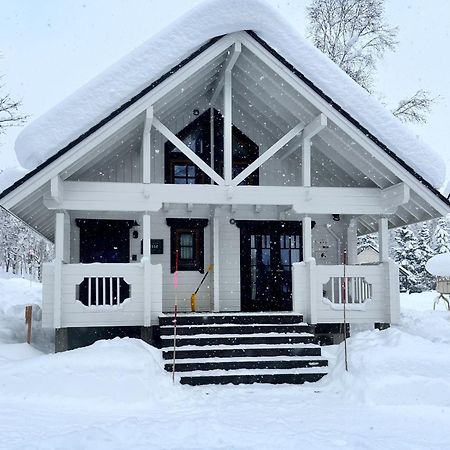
105	93
439	265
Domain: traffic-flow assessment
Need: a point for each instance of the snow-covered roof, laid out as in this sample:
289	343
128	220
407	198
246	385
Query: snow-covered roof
96	100
439	265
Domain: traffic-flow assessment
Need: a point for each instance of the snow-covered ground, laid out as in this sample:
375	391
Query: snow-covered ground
114	394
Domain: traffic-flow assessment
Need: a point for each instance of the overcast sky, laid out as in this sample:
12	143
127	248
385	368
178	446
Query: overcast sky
51	47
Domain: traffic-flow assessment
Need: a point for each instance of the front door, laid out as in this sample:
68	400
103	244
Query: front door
268	250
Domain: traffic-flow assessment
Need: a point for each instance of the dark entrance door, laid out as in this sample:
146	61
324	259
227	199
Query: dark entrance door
268	250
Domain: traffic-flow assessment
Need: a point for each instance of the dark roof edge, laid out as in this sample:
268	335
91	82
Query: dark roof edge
174	69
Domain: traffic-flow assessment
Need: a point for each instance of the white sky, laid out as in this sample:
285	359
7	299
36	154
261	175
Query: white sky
51	47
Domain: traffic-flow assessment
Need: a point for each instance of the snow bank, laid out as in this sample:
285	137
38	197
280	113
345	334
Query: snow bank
105	93
439	265
15	294
107	372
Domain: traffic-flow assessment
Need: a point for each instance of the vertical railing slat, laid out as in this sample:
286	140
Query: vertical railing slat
96	291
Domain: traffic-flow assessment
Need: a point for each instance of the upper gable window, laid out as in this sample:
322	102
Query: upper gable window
179	169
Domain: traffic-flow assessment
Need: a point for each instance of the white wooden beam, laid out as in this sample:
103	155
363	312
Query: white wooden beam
229	63
59	257
146	146
180	145
352	241
395	196
315	126
267	154
146	253
216	261
383	239
56	189
307	238
105	196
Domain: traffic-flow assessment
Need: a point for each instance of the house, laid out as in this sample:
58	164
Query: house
371	255
233	143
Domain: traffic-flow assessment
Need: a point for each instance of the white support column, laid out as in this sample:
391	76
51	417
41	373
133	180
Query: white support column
147	147
59	258
352	241
211	138
306	162
307	238
383	239
146	251
227	129
216	262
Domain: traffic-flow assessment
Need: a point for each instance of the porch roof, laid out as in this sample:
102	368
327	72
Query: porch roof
63	127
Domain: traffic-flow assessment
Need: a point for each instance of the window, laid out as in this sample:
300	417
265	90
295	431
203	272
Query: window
197	136
186	244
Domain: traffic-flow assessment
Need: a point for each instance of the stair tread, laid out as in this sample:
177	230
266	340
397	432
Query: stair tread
224	325
251	359
237	335
252	372
242	346
209	314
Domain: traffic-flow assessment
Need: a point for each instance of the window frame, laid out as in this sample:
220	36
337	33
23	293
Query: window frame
195	227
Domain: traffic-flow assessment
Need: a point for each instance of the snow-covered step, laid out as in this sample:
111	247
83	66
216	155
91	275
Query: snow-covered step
209	351
230	318
277	362
232	328
218	348
233	339
273	376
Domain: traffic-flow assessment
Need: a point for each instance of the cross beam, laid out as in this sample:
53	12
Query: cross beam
180	145
267	154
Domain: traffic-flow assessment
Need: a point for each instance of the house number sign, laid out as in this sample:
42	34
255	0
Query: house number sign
157	246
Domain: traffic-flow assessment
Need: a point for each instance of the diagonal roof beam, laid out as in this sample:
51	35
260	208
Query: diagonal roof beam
267	154
314	127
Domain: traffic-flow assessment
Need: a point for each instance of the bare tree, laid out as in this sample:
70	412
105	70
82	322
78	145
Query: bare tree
355	35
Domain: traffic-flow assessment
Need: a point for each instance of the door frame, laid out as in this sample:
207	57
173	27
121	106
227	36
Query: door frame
248	227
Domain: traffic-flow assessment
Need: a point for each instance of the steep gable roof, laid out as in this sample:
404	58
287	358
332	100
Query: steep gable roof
108	94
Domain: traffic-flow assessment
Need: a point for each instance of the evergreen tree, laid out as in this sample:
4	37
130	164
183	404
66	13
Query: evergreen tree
424	253
407	253
440	241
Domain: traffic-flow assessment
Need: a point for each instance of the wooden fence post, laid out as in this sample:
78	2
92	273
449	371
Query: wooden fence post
28	321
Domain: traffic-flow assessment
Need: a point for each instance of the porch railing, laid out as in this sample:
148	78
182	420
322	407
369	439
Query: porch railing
370	292
102	295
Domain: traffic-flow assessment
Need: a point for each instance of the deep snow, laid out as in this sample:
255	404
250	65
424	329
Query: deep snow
97	99
115	395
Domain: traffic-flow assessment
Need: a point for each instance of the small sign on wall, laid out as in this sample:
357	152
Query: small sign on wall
156	246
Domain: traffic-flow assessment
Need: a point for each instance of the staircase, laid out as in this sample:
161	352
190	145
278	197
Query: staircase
241	348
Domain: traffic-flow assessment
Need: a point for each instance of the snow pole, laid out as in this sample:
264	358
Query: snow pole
344	298
175	311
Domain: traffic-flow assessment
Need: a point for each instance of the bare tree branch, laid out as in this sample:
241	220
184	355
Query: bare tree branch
415	108
9	112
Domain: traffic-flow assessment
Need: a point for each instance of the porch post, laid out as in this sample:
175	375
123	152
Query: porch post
352	241
146	253
216	262
62	254
227	130
306	162
307	238
383	239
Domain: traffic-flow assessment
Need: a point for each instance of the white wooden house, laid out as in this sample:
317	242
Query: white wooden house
248	150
